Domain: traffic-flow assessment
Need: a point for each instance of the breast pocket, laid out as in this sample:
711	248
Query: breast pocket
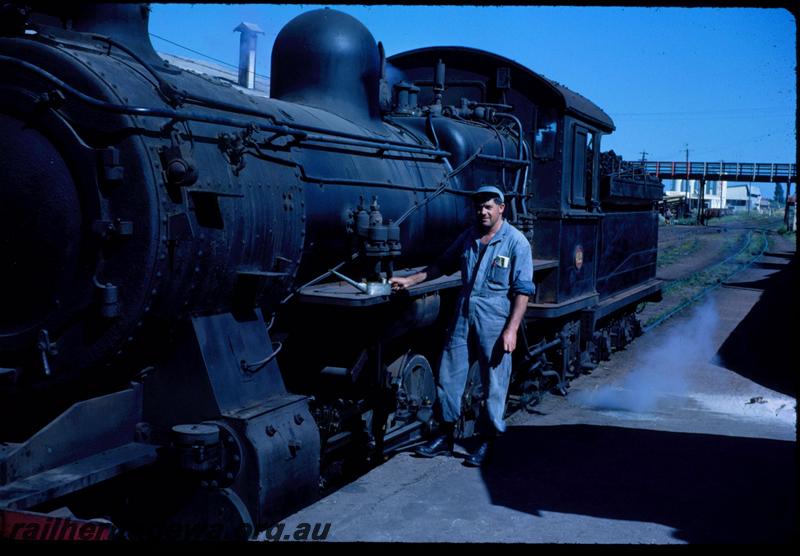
497	280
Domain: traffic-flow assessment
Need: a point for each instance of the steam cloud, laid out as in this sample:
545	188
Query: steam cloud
663	369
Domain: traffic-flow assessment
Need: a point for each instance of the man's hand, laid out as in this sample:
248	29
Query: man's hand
404	282
509	334
401	282
509	340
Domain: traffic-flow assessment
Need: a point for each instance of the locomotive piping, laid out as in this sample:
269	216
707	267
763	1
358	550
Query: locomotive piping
167	91
258	365
142	111
525	182
297	131
442	187
429	126
349	135
520	161
387	185
519	128
437	191
379	146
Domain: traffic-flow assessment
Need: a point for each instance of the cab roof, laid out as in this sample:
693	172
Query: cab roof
523	79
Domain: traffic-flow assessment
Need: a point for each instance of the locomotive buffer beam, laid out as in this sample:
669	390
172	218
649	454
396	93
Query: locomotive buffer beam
90	442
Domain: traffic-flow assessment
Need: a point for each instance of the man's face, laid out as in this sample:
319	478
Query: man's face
488	213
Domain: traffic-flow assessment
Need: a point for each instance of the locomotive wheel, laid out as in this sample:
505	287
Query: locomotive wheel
418	387
413	402
212	514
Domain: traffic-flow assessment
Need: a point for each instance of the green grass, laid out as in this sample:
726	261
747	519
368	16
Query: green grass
673	254
722	220
681	291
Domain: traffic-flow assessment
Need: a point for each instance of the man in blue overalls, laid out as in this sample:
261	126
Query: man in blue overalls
497	278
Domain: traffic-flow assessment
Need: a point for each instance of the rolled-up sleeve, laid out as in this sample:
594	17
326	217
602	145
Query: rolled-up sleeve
522	271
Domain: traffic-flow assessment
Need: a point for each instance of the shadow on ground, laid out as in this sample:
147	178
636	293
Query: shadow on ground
711	489
762	346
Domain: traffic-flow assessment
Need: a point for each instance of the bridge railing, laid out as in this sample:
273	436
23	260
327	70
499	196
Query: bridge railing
731	171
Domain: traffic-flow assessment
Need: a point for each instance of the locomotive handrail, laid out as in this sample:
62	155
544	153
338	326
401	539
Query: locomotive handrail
504	160
379	146
375	183
176	97
281	129
251	368
139	110
433	152
442	185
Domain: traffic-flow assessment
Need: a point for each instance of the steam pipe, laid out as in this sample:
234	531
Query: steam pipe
519	127
192	116
541	349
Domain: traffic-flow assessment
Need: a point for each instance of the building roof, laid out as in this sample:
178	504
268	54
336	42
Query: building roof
249	27
218	72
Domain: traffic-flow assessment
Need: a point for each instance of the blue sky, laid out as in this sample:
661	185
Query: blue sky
720	80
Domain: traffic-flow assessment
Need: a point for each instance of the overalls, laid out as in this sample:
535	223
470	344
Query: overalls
491	276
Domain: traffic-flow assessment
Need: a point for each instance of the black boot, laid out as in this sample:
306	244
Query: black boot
481	454
440	445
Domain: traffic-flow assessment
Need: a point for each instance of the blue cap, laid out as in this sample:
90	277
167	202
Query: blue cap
489	191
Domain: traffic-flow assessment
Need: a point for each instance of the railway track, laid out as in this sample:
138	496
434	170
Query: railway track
695	260
706	257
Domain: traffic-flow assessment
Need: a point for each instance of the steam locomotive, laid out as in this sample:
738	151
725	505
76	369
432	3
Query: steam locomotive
195	319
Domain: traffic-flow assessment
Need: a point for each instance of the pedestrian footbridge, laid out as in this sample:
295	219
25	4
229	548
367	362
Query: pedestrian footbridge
723	171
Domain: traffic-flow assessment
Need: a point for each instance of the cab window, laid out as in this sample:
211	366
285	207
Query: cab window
581	159
545	130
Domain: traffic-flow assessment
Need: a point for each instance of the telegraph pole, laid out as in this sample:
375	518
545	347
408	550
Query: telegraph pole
748	198
701	203
686	185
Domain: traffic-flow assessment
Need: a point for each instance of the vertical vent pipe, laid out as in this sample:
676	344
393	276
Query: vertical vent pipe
247	53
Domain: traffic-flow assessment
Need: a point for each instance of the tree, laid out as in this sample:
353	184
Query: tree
779	195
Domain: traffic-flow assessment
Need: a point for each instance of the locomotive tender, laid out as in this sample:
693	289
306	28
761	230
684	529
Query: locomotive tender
195	318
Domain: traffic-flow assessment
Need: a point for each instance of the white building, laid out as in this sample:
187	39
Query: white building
715	195
744	197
